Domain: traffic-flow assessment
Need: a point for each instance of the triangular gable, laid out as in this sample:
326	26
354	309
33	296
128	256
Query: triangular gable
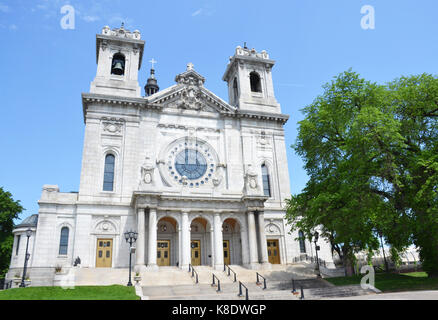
190	93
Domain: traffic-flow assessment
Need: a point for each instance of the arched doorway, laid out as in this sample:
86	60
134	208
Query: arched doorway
201	235
167	242
232	244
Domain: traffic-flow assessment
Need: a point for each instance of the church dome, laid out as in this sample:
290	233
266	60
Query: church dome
30	221
151	86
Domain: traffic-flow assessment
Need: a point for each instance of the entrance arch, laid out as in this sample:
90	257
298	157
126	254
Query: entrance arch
232	243
167	242
201	234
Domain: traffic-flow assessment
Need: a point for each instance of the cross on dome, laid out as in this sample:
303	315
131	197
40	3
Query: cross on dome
153	61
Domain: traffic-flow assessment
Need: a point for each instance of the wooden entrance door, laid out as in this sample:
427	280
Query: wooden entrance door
104	253
196	252
273	252
227	252
163	253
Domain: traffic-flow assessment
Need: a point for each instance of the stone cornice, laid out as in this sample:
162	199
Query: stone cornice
223	107
144	199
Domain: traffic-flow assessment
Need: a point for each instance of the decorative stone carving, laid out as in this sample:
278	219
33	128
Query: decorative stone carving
251	181
147	171
191	98
251	177
218	176
263	139
112	125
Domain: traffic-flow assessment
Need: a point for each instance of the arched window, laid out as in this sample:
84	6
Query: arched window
63	241
302	241
235	91
265	179
118	64
108	174
254	79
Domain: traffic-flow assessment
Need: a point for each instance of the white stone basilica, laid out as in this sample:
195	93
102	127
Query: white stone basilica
201	181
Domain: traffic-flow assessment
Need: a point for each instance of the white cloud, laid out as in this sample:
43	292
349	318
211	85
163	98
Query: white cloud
4	8
91	18
196	12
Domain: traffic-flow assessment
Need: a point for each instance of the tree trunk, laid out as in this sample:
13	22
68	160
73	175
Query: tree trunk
347	262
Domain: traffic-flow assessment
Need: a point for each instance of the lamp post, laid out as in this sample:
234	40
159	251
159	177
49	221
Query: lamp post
130	237
28	234
315	237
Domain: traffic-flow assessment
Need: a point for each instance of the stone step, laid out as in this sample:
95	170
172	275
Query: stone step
336	291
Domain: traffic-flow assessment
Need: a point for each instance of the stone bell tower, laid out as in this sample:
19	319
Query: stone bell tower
119	53
249	79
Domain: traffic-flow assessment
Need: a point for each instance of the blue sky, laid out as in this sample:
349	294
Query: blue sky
46	68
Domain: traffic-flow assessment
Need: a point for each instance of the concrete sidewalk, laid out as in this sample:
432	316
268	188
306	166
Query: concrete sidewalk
406	295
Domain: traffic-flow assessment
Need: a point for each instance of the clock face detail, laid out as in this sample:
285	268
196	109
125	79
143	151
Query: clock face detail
190	163
193	159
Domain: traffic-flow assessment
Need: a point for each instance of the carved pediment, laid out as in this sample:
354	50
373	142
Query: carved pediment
190	94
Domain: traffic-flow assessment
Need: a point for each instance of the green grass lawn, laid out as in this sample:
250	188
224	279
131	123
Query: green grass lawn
115	292
393	282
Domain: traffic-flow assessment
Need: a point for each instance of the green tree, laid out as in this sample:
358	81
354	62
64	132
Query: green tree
370	153
9	210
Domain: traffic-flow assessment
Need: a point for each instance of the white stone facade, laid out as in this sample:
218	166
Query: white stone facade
223	200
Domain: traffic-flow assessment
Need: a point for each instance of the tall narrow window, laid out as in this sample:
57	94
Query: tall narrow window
302	243
118	64
108	175
254	79
265	178
235	92
18	245
63	241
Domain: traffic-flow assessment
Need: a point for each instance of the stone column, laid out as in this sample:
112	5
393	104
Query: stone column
152	243
252	237
185	240
141	240
218	242
212	245
245	247
179	244
262	237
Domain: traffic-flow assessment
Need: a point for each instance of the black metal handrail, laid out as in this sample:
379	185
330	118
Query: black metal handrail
218	283
229	269
240	290
193	272
264	280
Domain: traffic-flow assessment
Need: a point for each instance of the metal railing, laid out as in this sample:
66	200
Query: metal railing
194	273
258	281
240	290
293	286
4	285
218	283
230	270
